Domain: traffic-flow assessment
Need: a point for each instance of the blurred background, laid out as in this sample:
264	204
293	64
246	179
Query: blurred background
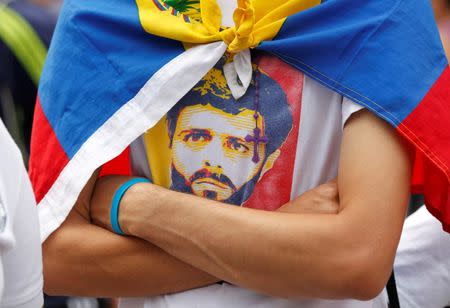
26	28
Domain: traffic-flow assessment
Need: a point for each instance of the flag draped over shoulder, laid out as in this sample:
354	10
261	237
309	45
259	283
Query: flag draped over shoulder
116	67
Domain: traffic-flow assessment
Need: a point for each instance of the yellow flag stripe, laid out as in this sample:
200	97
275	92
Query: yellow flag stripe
255	21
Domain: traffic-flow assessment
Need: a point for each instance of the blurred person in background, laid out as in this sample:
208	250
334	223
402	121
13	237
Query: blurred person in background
26	30
422	265
21	279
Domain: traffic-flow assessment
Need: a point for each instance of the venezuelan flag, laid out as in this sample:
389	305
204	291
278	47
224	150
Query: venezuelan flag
116	67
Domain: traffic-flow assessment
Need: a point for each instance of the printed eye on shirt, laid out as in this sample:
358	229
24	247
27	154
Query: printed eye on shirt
240	152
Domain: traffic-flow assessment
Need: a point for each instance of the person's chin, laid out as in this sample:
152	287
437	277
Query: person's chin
211	190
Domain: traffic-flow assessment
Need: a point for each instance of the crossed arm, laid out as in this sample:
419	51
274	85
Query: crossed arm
286	253
83	259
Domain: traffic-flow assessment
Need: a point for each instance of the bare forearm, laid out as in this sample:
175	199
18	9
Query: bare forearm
276	253
118	251
85	260
328	256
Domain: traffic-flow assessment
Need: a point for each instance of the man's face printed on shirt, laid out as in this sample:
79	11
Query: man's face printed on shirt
210	156
211	153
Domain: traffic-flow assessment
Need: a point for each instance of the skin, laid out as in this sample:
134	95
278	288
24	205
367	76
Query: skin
373	189
442	14
109	265
441	9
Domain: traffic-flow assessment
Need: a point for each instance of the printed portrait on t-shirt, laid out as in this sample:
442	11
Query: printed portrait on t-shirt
222	148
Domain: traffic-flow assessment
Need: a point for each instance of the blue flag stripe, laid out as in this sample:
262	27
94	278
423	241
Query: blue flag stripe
111	58
385	55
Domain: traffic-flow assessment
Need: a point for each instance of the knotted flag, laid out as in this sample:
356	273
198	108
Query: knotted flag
115	68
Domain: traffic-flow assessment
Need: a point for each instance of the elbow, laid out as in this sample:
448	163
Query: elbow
48	290
55	265
366	275
347	274
367	286
51	285
50	269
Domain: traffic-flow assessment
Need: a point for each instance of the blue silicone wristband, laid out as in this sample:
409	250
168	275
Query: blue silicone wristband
114	214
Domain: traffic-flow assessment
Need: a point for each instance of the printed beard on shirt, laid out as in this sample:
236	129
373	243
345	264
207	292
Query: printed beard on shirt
211	137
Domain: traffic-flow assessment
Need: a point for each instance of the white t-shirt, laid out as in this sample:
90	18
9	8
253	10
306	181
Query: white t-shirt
21	279
308	157
298	132
422	263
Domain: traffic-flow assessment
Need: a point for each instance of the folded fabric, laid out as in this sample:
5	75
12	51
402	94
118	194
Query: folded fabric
116	67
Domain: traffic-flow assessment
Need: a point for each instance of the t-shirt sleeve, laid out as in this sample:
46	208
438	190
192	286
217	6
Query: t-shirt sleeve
348	108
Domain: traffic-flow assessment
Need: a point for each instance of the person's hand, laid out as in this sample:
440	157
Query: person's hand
323	199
